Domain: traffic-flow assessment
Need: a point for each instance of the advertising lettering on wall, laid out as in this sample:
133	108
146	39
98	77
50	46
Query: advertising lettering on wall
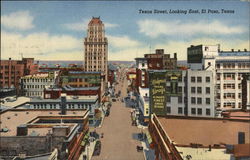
157	92
173	77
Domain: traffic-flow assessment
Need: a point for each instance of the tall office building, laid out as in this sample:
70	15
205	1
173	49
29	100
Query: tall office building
96	48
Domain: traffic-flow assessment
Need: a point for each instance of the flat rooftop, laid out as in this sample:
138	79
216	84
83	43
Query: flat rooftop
12	118
15	102
205	131
203	153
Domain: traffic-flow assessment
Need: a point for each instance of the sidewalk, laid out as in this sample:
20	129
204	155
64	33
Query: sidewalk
88	151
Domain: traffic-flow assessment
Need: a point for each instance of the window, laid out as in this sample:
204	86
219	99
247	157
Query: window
229	76
207	79
207	90
229	86
199	100
218	86
199	79
168	109
239	95
199	90
208	112
168	99
229	104
239	86
192	79
199	111
180	99
229	95
193	110
218	76
207	100
179	89
192	89
193	100
180	111
180	78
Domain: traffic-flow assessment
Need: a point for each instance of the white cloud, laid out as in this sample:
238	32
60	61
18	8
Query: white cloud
110	25
39	45
128	54
122	41
154	28
180	47
21	20
83	25
79	26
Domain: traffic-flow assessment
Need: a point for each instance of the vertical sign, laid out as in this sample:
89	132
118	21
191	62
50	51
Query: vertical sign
157	92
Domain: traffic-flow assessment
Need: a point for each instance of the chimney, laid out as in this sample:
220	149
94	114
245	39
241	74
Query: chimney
175	55
232	50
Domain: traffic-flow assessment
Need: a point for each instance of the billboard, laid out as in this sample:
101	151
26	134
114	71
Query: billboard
157	91
195	54
173	77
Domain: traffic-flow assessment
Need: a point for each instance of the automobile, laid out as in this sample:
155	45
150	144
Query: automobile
97	149
113	100
107	113
139	148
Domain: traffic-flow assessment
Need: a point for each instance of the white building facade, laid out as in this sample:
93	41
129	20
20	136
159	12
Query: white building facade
229	67
33	85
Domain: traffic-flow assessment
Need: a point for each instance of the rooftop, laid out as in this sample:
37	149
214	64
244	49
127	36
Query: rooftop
12	118
15	102
205	131
95	20
203	153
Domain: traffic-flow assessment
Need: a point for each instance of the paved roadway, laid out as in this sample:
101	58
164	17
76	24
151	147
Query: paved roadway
119	141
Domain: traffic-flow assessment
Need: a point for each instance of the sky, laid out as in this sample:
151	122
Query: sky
53	30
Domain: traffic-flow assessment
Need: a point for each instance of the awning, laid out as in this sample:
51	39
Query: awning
85	139
148	137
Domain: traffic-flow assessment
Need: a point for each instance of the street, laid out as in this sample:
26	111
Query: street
119	141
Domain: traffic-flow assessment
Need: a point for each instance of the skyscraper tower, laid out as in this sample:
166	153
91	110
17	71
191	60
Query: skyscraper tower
96	48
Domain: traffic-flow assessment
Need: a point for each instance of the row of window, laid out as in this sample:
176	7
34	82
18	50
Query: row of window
198	100
36	80
199	90
199	79
229	104
194	111
34	86
54	106
228	86
232	65
198	111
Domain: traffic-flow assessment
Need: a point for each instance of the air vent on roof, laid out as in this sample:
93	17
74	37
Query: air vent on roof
50	112
27	112
8	117
245	50
74	112
238	50
15	114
